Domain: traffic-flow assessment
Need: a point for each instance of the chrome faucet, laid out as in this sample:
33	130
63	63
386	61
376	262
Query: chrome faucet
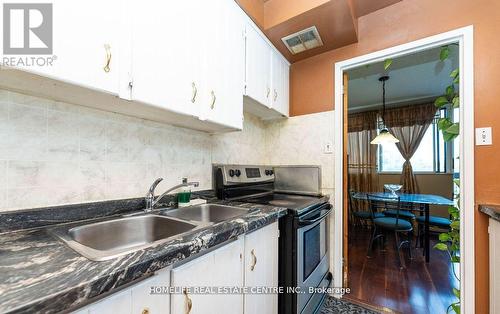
151	202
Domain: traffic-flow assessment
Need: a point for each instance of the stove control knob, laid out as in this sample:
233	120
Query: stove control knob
237	172
271	172
231	173
268	172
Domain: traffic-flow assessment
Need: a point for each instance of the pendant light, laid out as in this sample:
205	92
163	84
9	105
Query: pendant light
384	136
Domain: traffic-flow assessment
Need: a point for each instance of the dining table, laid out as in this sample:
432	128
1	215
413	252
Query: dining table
422	202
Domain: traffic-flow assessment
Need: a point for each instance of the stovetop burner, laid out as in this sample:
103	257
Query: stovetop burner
291	201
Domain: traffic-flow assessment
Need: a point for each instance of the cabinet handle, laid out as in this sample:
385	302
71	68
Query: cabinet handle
108	58
189	302
254	260
268	92
212	104
145	311
275	95
195	92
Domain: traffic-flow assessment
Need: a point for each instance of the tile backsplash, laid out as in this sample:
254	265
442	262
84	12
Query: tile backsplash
54	153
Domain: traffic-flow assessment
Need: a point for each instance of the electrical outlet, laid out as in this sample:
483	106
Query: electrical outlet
328	148
483	136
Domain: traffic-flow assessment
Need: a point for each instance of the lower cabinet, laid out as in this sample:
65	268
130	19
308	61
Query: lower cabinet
220	268
261	269
251	261
135	299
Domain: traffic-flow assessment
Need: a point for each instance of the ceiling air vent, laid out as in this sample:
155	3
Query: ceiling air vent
303	40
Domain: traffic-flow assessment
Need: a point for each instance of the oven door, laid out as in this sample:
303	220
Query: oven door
312	252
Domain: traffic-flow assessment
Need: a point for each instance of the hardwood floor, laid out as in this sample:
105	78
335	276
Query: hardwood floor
420	288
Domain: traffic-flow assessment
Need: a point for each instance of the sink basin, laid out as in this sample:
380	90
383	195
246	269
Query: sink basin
207	213
108	239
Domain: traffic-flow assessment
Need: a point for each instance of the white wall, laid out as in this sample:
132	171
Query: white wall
54	153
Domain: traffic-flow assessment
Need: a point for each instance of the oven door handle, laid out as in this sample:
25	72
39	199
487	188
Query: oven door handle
324	213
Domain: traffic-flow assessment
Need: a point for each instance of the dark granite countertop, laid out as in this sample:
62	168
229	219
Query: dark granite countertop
491	210
39	273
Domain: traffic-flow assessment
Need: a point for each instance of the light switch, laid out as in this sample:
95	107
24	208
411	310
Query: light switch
328	148
483	136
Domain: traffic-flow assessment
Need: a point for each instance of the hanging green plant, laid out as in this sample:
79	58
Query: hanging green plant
450	241
387	64
451	99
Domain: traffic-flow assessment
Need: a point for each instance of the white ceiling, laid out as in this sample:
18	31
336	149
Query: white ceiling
413	78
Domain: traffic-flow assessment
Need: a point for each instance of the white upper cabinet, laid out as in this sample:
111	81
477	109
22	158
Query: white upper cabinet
181	63
222	48
267	77
166	64
280	80
188	58
85	42
258	69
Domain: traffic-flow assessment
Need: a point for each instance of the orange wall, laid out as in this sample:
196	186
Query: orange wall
278	11
254	9
312	85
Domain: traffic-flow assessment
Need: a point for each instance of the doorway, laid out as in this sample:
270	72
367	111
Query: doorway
463	38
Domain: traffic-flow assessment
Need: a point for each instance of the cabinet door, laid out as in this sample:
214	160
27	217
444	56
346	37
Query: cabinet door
165	63
261	269
120	302
280	75
277	80
285	99
145	302
258	67
225	58
85	37
222	267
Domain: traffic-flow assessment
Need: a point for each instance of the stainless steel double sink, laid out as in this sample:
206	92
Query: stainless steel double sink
108	239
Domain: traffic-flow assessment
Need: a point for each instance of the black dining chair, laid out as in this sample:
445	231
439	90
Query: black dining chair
361	217
434	221
404	211
383	225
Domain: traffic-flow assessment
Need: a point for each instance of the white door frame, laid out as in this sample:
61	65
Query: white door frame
464	36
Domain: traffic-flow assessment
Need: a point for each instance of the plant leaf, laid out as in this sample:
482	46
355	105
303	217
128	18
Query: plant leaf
387	63
454	73
455	259
444	123
447	137
455	225
441	101
454	128
456	80
456	101
445	53
450	91
456	308
441	247
456	292
443	237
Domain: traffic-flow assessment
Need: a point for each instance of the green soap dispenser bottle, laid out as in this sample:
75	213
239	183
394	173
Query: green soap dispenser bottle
184	196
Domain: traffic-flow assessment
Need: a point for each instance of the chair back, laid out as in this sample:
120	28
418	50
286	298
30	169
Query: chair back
386	201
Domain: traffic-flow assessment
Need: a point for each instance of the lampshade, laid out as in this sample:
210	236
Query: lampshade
384	137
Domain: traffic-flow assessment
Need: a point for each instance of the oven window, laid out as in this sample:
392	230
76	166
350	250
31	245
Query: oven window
312	249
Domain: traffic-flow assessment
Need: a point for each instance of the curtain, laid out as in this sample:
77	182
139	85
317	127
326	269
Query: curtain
362	156
409	124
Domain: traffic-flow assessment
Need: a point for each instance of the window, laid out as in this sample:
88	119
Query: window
429	157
